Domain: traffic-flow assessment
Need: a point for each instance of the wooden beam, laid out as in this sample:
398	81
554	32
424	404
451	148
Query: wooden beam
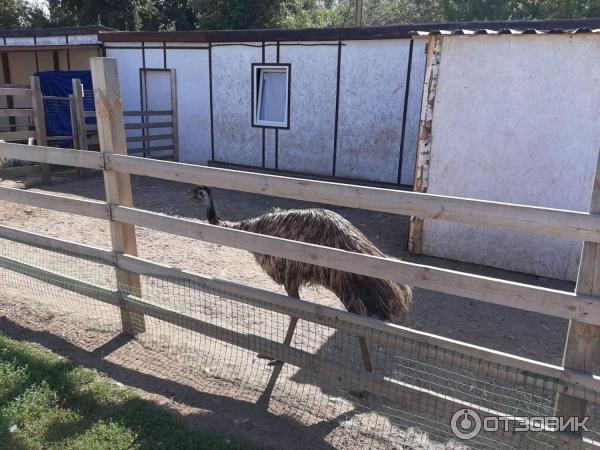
52	155
55	244
150	150
18	135
59	138
79	114
56	202
432	65
552	302
16	112
174	114
139	126
148	113
40	123
582	347
15	91
61	281
111	132
155	137
531	219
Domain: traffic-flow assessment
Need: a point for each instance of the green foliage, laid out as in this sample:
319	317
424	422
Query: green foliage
15	14
247	14
130	15
47	403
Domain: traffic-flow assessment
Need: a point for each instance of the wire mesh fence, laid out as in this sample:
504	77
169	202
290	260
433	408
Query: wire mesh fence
59	121
210	339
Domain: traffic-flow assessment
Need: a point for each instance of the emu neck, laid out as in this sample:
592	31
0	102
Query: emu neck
211	212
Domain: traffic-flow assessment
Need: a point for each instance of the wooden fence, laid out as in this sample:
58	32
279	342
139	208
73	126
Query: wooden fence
38	132
575	380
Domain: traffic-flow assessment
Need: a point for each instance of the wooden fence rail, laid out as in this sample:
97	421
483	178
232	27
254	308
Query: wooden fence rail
582	307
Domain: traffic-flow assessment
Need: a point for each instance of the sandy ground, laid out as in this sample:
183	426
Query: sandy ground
216	386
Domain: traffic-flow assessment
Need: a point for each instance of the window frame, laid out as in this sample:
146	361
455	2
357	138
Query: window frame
257	94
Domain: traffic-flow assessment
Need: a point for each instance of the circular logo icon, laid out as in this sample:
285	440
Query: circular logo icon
465	424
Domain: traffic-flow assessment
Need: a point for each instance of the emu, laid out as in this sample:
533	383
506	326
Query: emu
360	294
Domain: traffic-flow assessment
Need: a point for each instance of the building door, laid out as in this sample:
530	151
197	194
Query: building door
158	114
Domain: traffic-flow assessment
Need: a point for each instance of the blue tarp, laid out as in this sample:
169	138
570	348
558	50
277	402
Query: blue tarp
57	112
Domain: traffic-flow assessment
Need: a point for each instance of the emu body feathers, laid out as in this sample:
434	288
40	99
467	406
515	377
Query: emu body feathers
360	294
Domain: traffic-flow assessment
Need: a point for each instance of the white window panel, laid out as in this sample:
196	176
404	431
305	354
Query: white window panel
271	96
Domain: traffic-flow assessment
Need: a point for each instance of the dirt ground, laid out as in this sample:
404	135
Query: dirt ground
218	405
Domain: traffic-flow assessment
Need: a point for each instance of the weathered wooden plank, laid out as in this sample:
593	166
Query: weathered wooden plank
15	91
530	219
150	150
52	155
154	137
55	244
148	113
111	133
56	202
59	138
17	135
582	347
79	115
139	126
174	118
432	64
61	281
16	112
39	119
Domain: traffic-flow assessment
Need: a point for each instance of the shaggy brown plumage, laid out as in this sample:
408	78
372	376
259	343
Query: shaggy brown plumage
360	294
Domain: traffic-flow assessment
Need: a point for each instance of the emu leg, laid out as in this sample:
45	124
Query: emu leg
366	355
292	292
288	338
367	363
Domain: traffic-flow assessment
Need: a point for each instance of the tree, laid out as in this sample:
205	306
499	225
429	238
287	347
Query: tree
129	15
16	14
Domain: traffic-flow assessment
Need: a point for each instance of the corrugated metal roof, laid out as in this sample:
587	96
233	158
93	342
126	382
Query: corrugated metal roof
487	31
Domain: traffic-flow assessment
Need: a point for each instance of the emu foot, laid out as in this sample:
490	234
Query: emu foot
272	361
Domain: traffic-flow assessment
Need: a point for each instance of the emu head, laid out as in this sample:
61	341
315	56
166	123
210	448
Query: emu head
201	194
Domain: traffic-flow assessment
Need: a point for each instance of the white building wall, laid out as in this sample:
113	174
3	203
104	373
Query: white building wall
308	145
193	104
371	103
372	91
515	120
129	62
236	141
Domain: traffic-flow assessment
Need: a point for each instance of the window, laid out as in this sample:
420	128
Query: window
271	95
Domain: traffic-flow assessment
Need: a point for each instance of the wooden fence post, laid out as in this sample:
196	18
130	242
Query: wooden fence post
432	65
111	132
583	340
39	120
174	117
79	114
